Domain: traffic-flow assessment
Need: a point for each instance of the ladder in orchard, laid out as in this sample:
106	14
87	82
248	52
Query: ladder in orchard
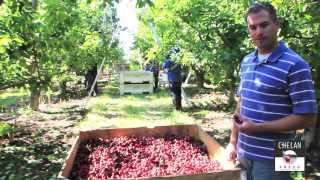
183	94
96	78
84	106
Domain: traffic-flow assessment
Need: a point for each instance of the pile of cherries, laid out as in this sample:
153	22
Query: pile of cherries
132	157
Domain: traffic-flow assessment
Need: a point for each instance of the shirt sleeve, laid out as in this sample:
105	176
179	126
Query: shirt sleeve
301	89
165	65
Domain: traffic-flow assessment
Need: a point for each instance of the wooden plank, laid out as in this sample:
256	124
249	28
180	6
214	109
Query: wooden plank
67	166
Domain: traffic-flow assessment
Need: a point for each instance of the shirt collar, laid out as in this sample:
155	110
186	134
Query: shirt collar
275	55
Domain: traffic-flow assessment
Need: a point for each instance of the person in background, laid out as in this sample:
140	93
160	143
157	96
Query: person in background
276	98
154	68
89	80
173	70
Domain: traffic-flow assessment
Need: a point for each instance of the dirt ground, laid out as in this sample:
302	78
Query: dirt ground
45	147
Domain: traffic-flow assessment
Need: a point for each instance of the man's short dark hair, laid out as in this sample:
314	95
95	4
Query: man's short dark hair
259	6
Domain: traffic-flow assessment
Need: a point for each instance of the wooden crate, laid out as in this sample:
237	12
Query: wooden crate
136	77
215	150
136	88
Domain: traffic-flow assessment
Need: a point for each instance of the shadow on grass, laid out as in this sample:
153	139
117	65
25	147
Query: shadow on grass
32	155
12	96
11	104
191	91
11	100
208	105
73	93
70	111
200	114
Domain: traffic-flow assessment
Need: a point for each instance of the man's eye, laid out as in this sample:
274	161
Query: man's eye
264	25
252	27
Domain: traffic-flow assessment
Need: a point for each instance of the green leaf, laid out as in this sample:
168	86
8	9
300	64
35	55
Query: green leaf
5	128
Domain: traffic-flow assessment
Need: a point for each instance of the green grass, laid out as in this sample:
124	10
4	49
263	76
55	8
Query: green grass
201	114
12	96
113	110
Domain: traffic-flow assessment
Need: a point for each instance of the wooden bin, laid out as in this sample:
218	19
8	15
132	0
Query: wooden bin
136	77
215	150
136	88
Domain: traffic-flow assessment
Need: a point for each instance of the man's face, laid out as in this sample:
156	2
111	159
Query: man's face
263	31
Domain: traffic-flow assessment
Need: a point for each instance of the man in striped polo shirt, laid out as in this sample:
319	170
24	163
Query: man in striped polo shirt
276	94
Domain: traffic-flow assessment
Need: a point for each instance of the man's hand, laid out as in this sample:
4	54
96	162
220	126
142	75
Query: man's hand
231	151
245	125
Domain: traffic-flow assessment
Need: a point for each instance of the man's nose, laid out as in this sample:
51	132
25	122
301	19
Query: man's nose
259	31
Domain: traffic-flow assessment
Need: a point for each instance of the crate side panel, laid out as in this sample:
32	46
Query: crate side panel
221	175
67	166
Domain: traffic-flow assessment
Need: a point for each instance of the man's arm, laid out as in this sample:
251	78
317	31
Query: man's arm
289	123
232	146
234	130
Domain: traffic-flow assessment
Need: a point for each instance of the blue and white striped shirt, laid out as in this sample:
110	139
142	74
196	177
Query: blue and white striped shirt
271	90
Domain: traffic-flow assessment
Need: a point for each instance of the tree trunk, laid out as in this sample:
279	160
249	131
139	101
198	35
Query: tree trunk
35	84
199	76
35	87
35	97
